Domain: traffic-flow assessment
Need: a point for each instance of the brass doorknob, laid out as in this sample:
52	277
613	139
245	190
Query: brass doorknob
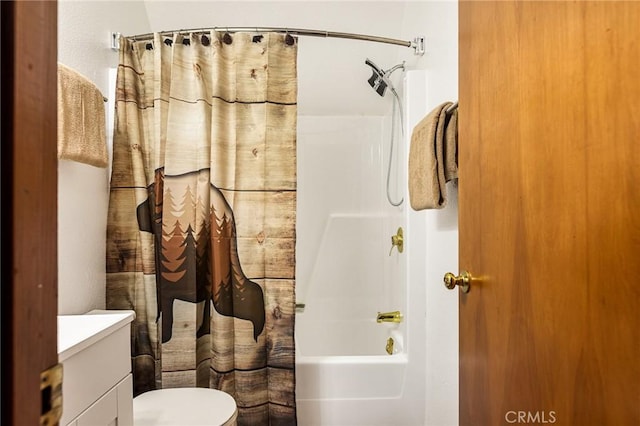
463	281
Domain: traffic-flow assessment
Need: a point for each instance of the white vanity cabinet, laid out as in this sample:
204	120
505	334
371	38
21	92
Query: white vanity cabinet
95	352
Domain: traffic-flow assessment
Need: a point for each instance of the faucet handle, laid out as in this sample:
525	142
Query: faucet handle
397	241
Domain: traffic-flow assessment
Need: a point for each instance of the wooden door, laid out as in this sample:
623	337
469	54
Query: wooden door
29	205
550	212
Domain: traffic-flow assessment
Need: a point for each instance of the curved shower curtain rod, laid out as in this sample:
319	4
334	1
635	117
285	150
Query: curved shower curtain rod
417	43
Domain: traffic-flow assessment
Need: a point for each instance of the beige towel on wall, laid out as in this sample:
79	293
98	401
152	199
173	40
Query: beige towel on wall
451	146
81	119
433	158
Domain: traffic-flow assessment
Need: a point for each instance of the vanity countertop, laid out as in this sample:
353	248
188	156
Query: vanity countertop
77	332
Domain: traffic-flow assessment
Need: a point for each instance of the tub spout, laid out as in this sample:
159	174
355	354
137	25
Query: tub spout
394	316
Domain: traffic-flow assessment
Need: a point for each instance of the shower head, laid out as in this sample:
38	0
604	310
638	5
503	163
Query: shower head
379	79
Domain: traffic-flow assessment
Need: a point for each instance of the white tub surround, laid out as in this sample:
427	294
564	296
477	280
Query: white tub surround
348	273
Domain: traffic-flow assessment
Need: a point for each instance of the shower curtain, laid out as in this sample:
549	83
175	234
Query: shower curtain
201	221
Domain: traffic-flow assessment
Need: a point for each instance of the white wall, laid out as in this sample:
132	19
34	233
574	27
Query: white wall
83	37
439	228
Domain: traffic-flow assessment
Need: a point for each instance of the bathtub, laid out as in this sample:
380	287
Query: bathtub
352	390
336	389
329	375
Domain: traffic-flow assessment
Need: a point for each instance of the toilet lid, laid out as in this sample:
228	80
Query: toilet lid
183	407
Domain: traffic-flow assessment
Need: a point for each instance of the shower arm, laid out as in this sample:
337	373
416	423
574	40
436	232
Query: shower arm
395	67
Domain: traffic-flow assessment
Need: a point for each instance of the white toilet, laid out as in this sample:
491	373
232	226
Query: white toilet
184	407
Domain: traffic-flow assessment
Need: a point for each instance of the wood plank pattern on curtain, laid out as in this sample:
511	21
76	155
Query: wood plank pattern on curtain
202	212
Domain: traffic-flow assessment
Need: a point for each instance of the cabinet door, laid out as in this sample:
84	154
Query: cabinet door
103	412
125	401
114	408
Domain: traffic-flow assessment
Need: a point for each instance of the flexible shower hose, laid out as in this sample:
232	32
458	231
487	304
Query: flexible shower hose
393	132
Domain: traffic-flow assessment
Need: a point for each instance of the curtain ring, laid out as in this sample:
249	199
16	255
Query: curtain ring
226	38
288	39
186	37
205	40
257	37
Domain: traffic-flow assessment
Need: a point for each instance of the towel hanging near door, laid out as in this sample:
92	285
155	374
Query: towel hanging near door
433	157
